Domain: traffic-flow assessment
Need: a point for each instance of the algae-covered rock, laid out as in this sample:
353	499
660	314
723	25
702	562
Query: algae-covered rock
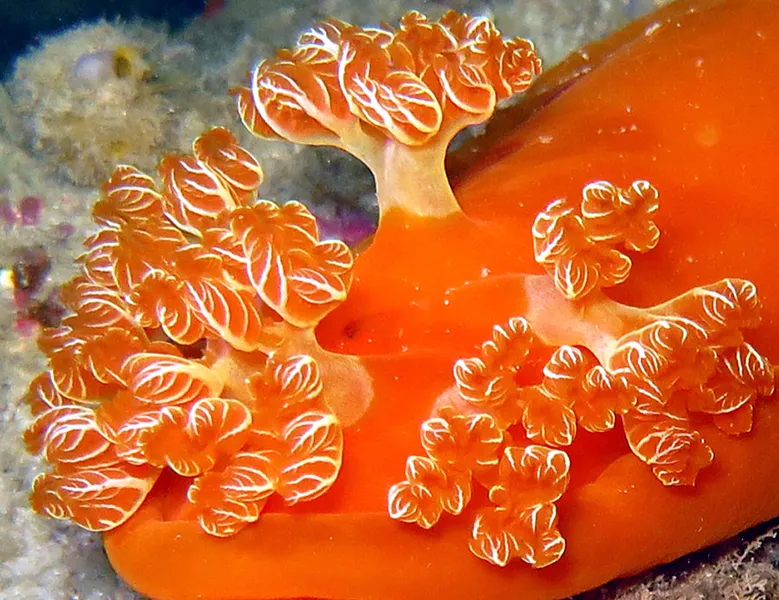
88	101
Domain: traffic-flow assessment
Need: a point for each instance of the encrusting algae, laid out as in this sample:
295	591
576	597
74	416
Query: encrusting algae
86	101
464	402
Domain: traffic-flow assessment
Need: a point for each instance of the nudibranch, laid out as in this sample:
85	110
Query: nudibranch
558	373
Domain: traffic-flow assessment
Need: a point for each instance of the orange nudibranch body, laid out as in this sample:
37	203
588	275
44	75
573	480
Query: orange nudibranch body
686	99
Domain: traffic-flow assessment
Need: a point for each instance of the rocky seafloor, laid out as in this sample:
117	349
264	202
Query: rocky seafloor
64	124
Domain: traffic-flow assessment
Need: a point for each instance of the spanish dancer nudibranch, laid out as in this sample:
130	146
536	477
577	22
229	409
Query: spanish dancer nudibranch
557	372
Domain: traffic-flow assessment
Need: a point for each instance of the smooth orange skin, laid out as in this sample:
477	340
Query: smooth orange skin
694	108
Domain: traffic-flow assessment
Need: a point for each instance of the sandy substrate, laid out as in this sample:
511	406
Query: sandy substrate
48	560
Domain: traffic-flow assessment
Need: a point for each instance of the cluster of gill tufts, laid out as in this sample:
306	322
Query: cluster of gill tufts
654	369
394	98
188	347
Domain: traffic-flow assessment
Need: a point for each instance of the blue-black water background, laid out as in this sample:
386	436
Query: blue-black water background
23	22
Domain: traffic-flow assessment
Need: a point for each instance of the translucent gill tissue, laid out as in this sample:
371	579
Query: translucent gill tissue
556	373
